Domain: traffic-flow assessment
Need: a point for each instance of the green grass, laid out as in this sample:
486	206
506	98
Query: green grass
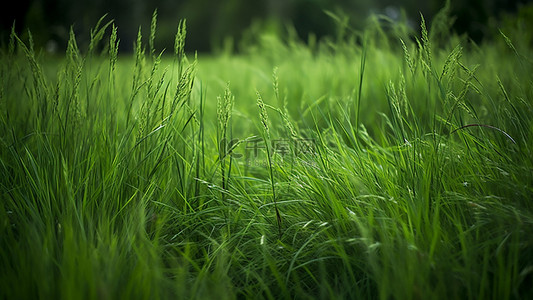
135	176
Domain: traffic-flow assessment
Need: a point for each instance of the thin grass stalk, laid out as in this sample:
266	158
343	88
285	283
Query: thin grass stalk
266	138
360	87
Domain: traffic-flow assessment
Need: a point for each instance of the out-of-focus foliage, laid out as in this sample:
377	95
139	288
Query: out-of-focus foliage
216	24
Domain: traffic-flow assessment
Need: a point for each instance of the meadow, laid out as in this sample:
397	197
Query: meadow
391	163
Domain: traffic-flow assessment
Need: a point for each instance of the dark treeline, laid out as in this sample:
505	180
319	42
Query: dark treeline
210	22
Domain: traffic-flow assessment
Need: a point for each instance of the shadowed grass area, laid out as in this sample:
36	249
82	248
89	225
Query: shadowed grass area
393	163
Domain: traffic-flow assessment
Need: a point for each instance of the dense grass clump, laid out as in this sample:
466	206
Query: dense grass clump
392	163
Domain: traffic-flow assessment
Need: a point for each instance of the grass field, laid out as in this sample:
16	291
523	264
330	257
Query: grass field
394	163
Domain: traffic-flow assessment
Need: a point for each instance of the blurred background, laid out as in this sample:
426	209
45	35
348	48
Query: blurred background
212	25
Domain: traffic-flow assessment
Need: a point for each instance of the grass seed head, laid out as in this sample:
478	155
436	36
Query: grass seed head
263	114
